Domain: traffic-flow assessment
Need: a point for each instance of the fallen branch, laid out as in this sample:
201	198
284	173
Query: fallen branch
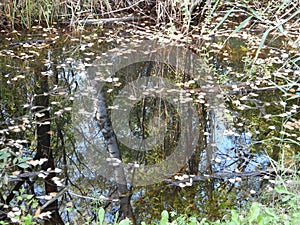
227	175
29	42
60	193
26	175
99	198
123	9
104	20
240	87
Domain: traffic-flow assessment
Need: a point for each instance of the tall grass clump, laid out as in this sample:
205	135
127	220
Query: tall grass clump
24	13
179	15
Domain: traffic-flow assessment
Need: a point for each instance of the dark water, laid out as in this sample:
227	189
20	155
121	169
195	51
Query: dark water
233	134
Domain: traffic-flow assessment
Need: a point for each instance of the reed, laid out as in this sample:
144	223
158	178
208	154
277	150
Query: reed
24	12
178	14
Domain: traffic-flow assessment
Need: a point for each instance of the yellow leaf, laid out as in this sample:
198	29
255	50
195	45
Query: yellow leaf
70	204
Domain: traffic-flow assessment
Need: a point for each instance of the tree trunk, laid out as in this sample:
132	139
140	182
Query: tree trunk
114	152
44	142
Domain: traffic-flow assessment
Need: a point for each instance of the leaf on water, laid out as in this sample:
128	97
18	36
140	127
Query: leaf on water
243	107
58	113
131	97
70	204
178	177
44	123
244	98
58	181
283	115
42	175
51	132
282	103
182	185
44	215
118	84
236	102
231	180
190	183
238	179
185	176
40	114
217	160
289	125
57	170
253	94
37	162
16	130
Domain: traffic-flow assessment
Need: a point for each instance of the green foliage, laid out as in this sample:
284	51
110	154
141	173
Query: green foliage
254	213
164	218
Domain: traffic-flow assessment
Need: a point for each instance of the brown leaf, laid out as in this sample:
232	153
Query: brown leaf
37	212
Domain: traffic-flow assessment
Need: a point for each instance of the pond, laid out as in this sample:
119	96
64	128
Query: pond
197	128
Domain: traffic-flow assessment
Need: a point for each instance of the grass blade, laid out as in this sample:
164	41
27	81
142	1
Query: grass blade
279	25
254	13
222	21
239	28
263	39
213	9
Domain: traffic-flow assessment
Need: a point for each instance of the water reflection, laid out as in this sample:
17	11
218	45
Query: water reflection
222	147
221	150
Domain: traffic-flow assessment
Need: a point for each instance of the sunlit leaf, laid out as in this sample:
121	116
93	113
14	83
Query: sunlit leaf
23	165
101	214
